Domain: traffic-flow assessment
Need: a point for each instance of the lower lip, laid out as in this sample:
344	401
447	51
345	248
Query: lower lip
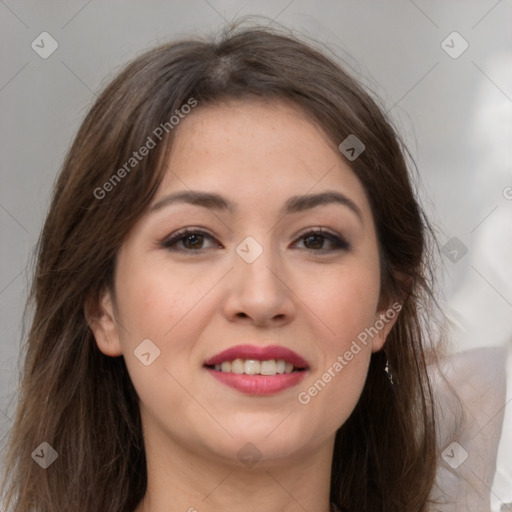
259	384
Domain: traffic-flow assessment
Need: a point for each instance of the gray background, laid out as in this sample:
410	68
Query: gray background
455	113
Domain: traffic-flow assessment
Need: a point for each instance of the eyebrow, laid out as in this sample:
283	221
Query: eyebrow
294	204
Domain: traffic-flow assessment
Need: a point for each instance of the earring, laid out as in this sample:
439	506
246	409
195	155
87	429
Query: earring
388	372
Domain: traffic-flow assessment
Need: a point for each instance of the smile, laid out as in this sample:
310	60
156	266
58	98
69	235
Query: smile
258	370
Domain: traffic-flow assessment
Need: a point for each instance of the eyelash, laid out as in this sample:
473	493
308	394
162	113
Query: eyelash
339	243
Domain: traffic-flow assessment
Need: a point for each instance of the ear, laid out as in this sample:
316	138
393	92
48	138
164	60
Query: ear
384	321
100	316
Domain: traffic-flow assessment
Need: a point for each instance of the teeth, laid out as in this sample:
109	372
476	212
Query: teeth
268	367
253	367
280	366
237	366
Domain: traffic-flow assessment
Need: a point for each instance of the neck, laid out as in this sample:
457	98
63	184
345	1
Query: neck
185	480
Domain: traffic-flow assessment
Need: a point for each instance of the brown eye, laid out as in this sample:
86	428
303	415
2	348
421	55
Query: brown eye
193	241
187	240
315	240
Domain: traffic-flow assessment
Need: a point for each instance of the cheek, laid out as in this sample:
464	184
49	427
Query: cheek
155	299
345	301
157	305
347	305
169	308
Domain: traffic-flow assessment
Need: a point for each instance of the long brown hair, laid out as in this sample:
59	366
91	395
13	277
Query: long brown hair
83	403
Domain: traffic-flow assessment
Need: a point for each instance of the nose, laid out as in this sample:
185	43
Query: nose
260	292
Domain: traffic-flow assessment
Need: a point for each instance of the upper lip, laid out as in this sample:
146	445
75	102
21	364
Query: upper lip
258	354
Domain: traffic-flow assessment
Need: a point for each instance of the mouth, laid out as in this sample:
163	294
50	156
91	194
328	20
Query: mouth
258	370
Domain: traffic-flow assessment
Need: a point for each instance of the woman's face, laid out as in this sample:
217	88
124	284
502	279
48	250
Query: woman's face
250	272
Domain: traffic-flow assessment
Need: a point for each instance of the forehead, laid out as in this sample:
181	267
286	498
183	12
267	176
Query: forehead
253	132
256	149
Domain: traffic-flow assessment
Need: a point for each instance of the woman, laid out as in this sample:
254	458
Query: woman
229	296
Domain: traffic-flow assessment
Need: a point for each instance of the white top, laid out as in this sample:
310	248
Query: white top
469	446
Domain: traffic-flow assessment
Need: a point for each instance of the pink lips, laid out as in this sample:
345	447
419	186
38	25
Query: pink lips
259	384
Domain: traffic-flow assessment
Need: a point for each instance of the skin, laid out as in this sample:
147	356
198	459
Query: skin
192	305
